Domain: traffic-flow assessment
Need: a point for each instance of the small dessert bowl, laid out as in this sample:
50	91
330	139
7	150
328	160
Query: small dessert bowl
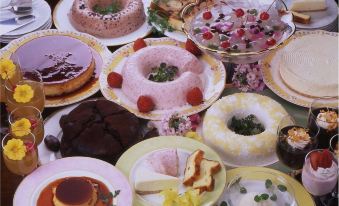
192	11
259	186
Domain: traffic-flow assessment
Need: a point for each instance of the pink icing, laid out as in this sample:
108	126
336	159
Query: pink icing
164	162
165	95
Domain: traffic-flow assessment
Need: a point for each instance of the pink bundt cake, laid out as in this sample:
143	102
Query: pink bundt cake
128	19
165	95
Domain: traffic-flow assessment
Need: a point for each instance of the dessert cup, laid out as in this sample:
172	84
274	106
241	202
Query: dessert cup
28	161
15	78
292	149
328	124
321	181
33	115
32	79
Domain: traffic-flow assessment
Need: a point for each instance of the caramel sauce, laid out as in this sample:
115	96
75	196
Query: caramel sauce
46	195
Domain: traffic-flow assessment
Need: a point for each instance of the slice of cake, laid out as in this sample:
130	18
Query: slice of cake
164	161
192	170
301	18
149	182
205	181
308	5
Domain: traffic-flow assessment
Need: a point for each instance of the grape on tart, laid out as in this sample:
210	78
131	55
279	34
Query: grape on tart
242	128
107	18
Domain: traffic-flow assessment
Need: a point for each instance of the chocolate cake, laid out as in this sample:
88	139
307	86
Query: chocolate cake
99	129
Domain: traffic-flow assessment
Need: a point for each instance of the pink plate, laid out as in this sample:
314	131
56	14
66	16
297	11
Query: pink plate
29	189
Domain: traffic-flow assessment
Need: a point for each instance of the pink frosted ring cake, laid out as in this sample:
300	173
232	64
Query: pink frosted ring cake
97	17
138	80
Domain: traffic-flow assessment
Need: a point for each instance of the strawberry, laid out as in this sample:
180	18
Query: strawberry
145	104
326	159
264	16
314	159
114	80
34	123
239	12
194	97
191	47
139	44
207	15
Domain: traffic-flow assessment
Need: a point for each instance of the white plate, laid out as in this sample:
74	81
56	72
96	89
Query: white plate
30	188
62	22
319	19
273	80
42	12
214	74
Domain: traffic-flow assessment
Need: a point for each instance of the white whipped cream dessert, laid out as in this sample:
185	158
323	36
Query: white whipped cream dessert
324	173
327	120
298	138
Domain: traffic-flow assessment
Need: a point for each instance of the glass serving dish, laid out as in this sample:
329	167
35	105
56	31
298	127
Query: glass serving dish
224	21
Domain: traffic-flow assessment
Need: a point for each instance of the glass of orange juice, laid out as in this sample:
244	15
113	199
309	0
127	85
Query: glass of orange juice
27	118
9	71
28	91
20	154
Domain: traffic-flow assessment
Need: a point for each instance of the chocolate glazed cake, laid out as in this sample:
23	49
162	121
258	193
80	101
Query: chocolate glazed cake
99	129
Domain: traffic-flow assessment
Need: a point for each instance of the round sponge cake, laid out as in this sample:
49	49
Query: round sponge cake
65	63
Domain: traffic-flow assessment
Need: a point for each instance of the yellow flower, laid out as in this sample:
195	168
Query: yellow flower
15	149
23	93
7	68
193	135
21	127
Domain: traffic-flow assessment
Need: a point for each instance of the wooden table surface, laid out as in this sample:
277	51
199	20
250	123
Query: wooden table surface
9	181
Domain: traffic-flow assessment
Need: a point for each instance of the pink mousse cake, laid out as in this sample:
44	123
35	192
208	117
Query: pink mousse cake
165	95
111	25
164	162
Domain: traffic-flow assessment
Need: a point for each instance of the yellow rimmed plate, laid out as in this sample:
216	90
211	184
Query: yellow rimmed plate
100	54
214	74
127	161
300	193
273	80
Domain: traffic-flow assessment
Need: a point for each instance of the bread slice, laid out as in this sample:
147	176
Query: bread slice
205	181
301	18
192	170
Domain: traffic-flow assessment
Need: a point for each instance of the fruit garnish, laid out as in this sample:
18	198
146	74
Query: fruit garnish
239	12
225	44
207	15
145	104
52	143
114	80
195	118
264	16
34	122
241	32
194	97
29	146
207	35
271	42
139	44
322	159
191	47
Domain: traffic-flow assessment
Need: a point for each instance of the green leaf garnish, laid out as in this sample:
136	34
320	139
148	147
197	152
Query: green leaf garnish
274	197
257	198
111	9
159	20
243	190
163	73
264	196
282	188
268	183
249	125
223	203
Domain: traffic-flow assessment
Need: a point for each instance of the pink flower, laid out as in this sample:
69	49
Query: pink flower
251	76
248	77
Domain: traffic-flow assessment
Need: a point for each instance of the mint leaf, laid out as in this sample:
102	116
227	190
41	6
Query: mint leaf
282	188
243	190
274	197
264	196
268	183
223	203
257	198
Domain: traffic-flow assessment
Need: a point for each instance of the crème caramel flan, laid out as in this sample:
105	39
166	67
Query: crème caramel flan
75	191
65	63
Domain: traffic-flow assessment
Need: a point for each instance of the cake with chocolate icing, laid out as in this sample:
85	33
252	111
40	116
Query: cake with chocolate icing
65	63
75	191
99	129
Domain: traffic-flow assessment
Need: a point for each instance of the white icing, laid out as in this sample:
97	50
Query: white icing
301	144
325	173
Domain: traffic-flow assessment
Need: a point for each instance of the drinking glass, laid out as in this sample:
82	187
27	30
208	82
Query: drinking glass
20	154
7	74
318	183
291	153
31	79
328	127
29	114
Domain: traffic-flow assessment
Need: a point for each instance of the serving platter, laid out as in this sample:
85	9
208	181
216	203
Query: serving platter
130	158
62	22
273	80
100	53
214	73
300	193
30	188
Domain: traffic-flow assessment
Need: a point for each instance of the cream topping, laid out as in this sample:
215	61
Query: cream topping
298	138
324	173
327	119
